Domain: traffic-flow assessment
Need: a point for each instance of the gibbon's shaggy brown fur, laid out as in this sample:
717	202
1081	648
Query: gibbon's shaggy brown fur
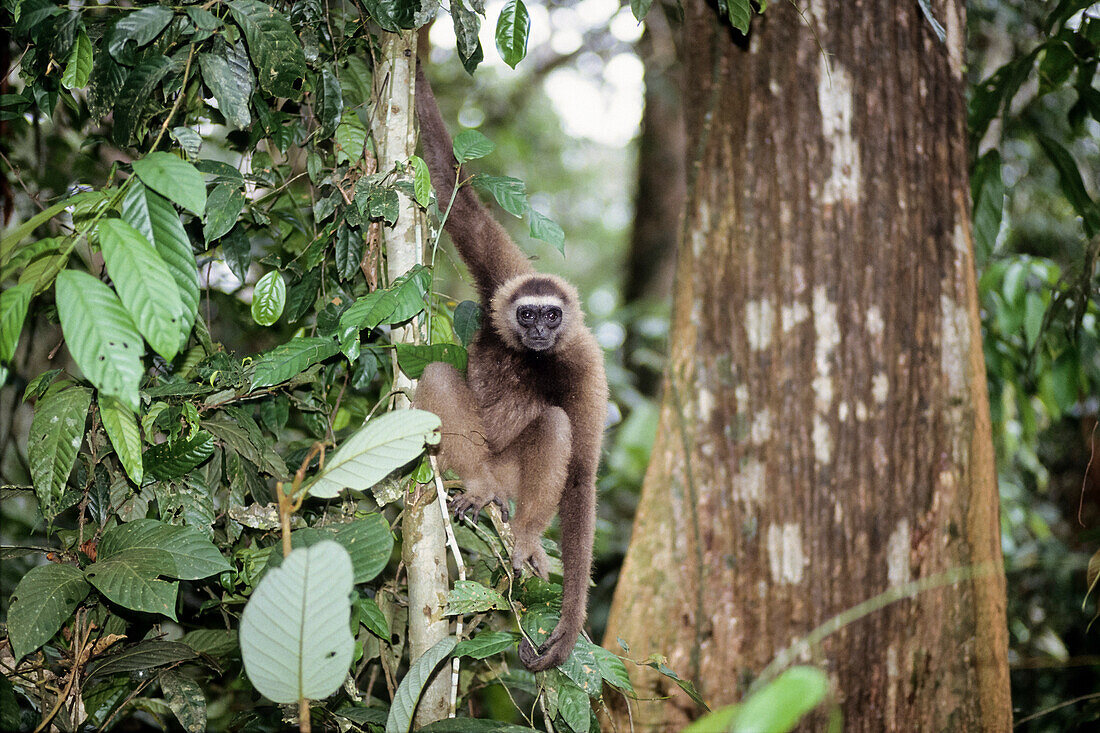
527	421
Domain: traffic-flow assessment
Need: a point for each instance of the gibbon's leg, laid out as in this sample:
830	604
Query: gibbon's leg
536	464
462	447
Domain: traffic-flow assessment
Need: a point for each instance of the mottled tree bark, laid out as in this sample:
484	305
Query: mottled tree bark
825	431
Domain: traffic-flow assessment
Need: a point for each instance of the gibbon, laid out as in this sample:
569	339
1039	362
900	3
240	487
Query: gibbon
527	421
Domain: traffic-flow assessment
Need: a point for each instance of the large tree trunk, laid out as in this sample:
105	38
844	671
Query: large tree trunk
825	431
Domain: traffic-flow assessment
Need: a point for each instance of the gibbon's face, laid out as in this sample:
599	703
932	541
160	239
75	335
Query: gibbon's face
538	324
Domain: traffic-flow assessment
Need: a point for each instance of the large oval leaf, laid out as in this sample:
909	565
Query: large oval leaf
138	27
513	27
295	635
782	703
44	599
100	335
230	81
122	429
144	284
380	447
56	433
290	359
469	145
193	555
268	298
78	69
174	177
156	218
130	579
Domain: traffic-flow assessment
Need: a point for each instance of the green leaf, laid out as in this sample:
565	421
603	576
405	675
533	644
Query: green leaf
294	632
720	720
273	46
409	291
229	79
167	461
290	359
129	579
380	447
412	684
513	27
140	657
546	229
185	698
783	702
174	177
486	644
470	145
574	707
78	69
351	136
510	193
467	321
190	141
1034	312
413	358
268	298
156	218
122	429
368	312
135	95
101	336
740	14
223	206
987	190
469	596
349	251
24	230
192	555
372	617
144	284
1072	186
612	669
582	668
640	8
330	102
43	600
369	543
422	180
237	251
57	430
467	24
139	27
13	311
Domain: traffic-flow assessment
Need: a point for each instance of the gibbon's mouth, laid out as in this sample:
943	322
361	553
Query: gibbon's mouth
537	344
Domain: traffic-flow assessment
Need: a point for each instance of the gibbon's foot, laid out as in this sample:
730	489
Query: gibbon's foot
473	499
529	549
550	653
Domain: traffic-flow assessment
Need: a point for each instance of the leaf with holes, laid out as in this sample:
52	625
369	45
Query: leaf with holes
130	579
144	284
175	178
193	555
412	684
380	447
229	79
273	46
294	632
43	600
290	359
122	429
469	596
185	699
57	430
100	334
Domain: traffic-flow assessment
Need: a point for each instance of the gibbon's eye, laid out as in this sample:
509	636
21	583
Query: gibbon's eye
526	315
553	316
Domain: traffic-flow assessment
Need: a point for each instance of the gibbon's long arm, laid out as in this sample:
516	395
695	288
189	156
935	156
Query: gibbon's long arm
491	255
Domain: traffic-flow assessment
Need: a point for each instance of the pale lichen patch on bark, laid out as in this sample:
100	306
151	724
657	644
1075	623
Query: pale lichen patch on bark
786	557
955	27
872	321
827	332
704	403
741	394
748	482
792	315
897	555
835	100
880	387
842	411
759	323
822	440
760	431
955	346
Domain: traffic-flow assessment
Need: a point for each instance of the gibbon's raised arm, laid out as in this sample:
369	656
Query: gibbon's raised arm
491	255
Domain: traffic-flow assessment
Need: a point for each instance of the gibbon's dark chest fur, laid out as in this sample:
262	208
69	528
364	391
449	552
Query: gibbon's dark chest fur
497	371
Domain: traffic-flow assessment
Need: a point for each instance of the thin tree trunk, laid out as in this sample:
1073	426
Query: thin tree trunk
825	432
424	550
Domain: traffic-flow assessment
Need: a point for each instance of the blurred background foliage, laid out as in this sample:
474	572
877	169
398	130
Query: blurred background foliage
566	122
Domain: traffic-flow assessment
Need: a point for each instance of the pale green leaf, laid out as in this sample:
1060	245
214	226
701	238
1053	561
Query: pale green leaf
351	136
486	644
380	447
122	429
192	556
548	230
290	359
412	684
513	28
470	145
175	178
783	702
78	69
268	298
24	230
144	284
57	430
422	181
294	632
13	311
510	193
469	596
